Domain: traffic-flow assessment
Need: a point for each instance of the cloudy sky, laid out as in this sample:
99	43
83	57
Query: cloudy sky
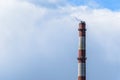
39	39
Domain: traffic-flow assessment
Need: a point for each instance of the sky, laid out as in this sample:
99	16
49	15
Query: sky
39	39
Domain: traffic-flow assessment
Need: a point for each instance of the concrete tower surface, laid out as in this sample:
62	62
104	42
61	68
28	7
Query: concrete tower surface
82	51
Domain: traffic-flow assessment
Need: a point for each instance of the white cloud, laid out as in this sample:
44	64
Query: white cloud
103	26
27	30
17	20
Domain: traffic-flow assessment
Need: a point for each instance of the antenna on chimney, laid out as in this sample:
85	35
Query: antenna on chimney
77	19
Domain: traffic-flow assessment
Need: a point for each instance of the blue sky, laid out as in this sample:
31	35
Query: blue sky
39	39
110	4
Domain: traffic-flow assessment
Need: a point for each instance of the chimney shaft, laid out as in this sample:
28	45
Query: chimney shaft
82	51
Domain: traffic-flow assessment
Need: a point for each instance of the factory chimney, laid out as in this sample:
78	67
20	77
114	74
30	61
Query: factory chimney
82	51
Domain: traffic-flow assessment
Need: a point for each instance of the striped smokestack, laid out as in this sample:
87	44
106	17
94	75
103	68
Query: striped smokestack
82	51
